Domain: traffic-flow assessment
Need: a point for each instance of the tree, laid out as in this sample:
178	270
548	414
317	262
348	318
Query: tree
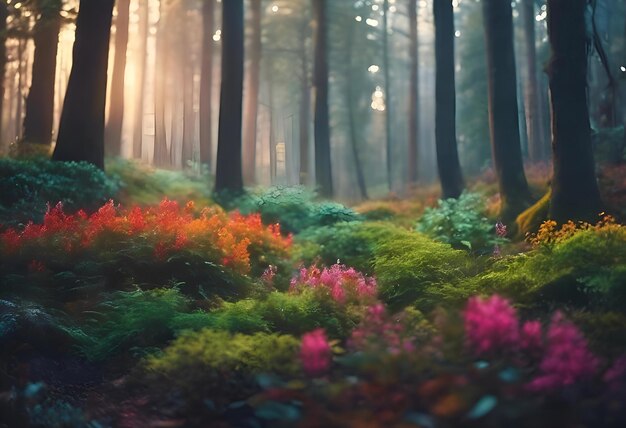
144	31
534	122
116	105
445	101
228	176
503	110
206	83
81	131
38	121
388	100
323	170
4	14
413	93
252	95
575	193
305	103
162	156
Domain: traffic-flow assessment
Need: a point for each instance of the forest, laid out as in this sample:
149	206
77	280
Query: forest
313	213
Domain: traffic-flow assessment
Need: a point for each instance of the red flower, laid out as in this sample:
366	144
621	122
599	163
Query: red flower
315	353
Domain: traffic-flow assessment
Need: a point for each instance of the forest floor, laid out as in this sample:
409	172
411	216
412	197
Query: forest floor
138	301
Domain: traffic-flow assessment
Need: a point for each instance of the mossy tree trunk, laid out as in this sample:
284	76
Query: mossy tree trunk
575	194
81	131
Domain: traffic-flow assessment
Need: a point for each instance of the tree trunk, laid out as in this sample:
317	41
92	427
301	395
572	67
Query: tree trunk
360	176
228	175
38	122
575	194
19	104
189	123
162	157
81	131
116	106
206	83
4	13
252	96
144	31
323	170
503	110
305	108
388	101
445	101
536	145
413	94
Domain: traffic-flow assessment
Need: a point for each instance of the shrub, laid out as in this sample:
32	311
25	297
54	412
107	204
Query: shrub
295	209
460	223
218	366
26	186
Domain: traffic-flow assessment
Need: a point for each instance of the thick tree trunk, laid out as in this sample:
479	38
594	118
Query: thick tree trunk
413	94
144	31
575	194
206	83
228	175
534	128
19	103
323	170
305	109
189	122
388	100
445	101
252	95
503	110
81	132
38	122
116	106
4	13
162	156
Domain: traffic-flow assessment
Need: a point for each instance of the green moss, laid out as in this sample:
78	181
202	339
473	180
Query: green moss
530	220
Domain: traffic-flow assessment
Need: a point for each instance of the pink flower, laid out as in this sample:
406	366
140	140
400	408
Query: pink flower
491	325
615	376
531	336
567	358
315	353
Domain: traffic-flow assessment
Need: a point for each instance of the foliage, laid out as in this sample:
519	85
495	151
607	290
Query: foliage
218	366
26	186
460	223
295	209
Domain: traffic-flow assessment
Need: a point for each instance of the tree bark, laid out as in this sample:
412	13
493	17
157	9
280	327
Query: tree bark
413	94
305	108
536	145
445	101
162	156
323	170
144	31
228	177
4	13
206	83
38	122
503	109
575	194
189	123
116	106
252	95
388	101
81	131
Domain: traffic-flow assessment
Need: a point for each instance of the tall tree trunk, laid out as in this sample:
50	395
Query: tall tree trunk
536	145
228	175
323	170
445	101
388	101
19	103
305	107
206	83
39	119
189	123
4	14
503	110
413	94
252	96
575	194
81	132
144	32
116	106
162	156
360	176
272	142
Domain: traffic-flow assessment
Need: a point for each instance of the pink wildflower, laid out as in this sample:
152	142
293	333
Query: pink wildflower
531	336
567	358
615	376
491	325
315	353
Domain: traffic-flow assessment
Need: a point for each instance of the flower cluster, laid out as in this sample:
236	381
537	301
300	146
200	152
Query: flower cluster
491	325
378	329
166	228
315	353
342	284
550	233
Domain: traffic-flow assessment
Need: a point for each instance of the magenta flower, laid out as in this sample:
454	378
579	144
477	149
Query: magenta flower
567	358
491	325
615	376
531	336
315	353
341	283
